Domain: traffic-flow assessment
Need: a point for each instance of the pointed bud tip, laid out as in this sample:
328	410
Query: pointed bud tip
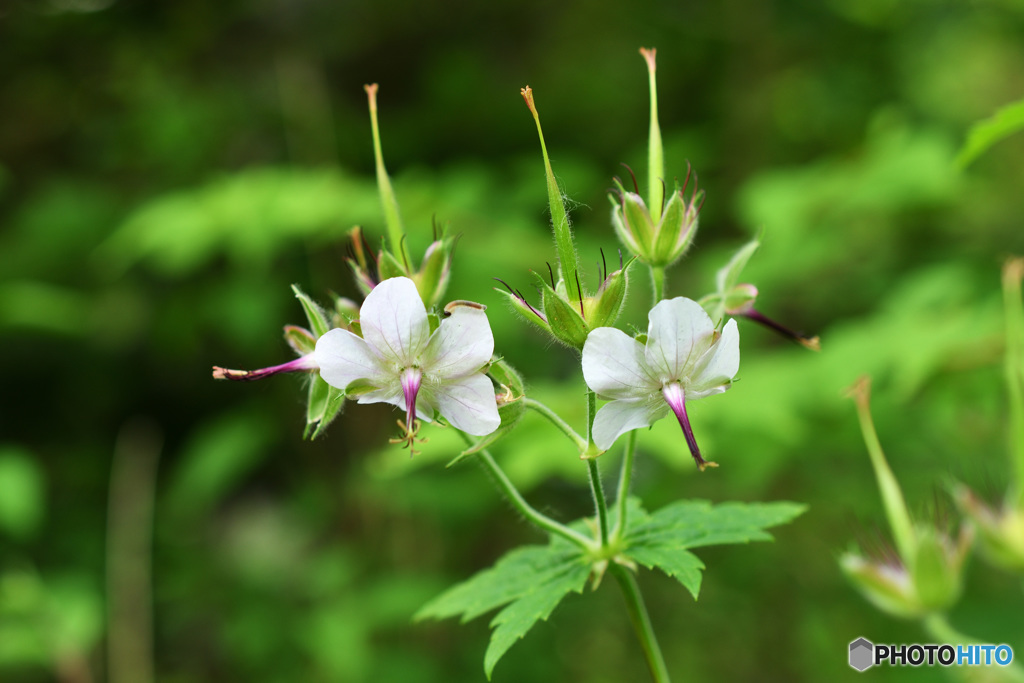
527	94
706	464
1013	269
649	55
812	343
860	390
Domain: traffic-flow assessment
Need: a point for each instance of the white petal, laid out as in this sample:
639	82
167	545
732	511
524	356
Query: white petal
394	320
714	372
614	365
344	358
468	403
461	345
618	417
679	332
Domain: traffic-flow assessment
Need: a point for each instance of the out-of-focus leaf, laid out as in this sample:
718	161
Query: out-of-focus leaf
41	306
982	135
219	454
247	216
21	493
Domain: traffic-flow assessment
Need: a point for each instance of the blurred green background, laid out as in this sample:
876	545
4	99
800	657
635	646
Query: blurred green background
167	169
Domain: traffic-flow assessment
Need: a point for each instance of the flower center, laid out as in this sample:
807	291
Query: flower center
412	378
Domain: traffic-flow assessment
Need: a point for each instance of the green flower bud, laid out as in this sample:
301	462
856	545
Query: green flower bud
1000	532
388	266
435	269
660	242
346	314
937	568
511	406
523	308
302	341
604	307
564	318
885	585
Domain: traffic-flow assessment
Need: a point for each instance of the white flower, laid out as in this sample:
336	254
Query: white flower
684	359
398	360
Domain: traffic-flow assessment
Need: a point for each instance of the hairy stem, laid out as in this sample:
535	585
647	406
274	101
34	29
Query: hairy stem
941	631
657	283
600	504
641	622
625	479
556	420
517	500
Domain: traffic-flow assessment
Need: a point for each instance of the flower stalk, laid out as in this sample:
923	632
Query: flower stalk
559	217
655	150
392	218
641	622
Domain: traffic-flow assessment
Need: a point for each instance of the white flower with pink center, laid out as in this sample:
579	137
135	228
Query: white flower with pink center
684	359
399	361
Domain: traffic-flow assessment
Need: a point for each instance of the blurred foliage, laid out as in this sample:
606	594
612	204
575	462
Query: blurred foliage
168	169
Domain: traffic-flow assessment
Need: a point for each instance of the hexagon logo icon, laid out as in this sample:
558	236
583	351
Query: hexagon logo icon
862	654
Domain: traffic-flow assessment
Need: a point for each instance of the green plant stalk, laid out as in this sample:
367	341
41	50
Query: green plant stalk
133	475
625	479
1013	274
600	504
658	283
559	217
941	631
655	151
392	218
556	420
889	487
641	621
517	500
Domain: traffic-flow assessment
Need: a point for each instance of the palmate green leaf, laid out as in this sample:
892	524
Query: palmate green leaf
987	132
662	539
531	581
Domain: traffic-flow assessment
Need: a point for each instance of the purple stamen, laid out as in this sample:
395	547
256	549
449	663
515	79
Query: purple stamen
411	379
676	399
307	362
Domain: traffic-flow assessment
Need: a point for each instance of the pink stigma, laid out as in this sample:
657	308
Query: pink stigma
676	399
411	379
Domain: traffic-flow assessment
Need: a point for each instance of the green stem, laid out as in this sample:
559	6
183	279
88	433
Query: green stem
517	500
551	415
641	622
622	496
941	631
595	472
888	486
133	476
1013	273
658	282
599	500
